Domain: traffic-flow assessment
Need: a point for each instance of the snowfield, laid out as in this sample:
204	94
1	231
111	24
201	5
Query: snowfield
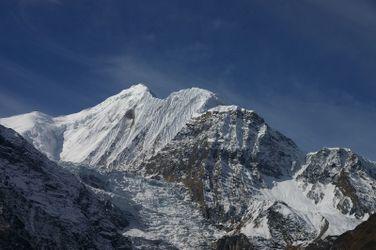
159	212
166	213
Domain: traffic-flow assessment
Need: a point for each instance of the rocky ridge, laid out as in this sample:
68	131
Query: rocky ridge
43	206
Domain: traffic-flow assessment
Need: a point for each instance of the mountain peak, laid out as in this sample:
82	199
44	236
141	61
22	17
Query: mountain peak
138	87
135	89
141	89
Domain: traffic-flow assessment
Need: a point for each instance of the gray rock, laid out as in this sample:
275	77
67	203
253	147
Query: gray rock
42	206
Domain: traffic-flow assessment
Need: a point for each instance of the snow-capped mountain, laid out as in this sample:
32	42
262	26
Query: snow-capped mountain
119	132
224	156
344	173
248	180
43	206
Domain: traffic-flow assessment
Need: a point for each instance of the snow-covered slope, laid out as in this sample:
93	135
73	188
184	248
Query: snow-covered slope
45	207
119	132
39	129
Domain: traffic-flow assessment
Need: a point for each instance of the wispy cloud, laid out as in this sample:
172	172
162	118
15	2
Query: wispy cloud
10	104
361	13
126	69
27	81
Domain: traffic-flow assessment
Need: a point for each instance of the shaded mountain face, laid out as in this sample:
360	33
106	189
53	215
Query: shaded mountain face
247	178
45	207
234	242
221	157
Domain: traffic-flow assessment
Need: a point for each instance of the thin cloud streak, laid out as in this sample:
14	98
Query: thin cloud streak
10	104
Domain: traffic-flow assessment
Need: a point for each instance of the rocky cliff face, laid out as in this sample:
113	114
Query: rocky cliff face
351	177
234	242
44	207
221	157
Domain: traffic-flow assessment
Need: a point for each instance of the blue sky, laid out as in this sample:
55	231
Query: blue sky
307	66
